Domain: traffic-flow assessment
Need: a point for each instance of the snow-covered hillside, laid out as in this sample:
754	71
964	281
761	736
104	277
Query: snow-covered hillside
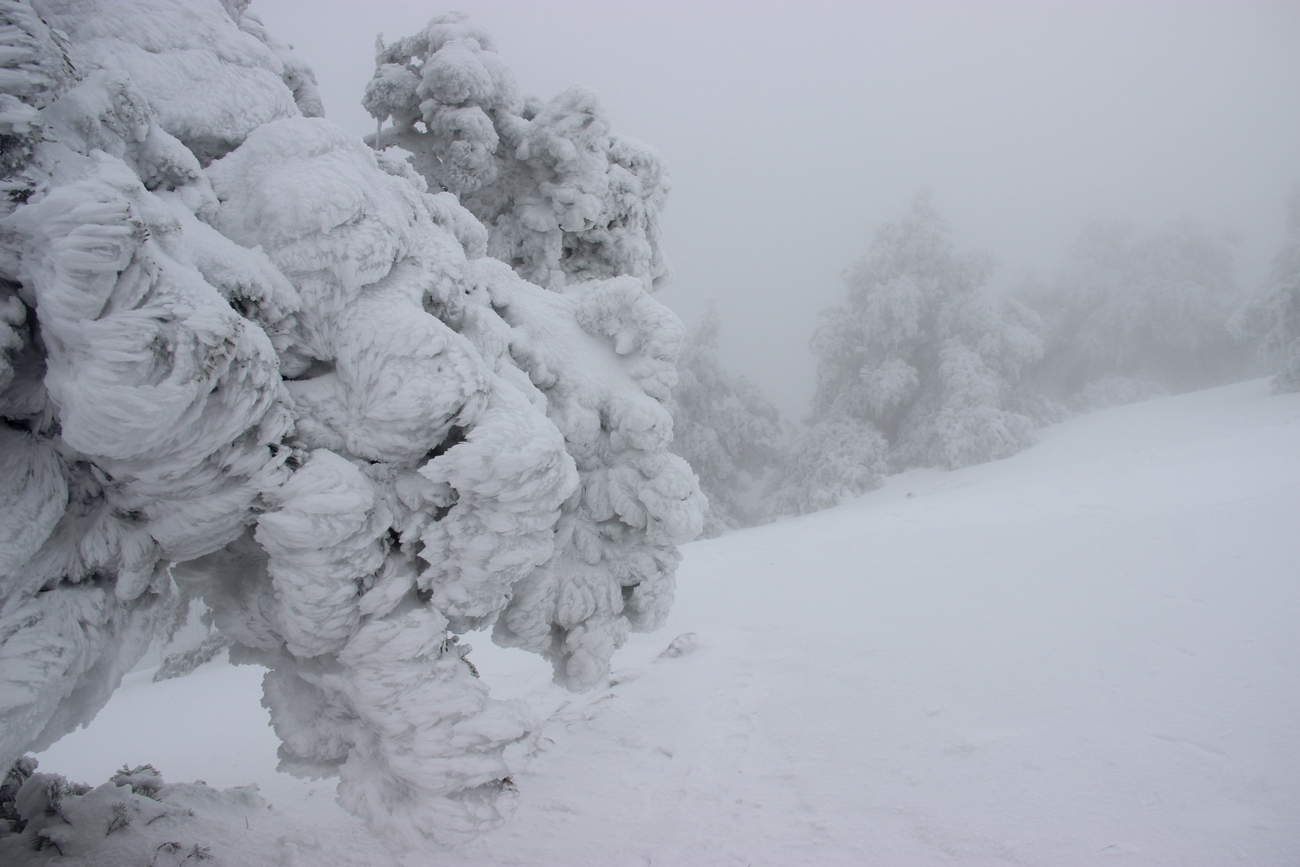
1088	653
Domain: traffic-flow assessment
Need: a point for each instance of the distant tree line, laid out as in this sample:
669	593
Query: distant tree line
921	365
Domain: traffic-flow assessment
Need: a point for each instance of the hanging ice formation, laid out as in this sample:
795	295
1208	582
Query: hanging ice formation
240	351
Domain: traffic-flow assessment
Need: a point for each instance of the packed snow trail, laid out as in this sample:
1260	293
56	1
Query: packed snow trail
1084	654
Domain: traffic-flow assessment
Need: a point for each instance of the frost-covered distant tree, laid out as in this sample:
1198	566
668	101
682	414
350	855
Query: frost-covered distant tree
918	358
1136	314
827	462
243	351
1278	311
563	198
723	426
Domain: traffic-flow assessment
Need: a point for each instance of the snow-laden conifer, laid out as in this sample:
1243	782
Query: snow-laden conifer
573	207
247	353
917	366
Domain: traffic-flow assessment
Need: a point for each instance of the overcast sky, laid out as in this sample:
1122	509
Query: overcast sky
792	130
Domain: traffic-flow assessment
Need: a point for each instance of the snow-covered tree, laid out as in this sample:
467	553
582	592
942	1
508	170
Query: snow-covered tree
724	427
1275	316
1136	314
827	462
572	207
563	198
917	357
244	352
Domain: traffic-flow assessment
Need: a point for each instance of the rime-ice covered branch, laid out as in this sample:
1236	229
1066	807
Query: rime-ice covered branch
244	353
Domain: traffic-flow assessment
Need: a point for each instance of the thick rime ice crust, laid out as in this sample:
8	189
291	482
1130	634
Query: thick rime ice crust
563	198
573	208
615	546
243	352
208	82
140	408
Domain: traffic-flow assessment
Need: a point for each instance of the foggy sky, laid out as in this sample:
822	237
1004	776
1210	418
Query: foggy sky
792	130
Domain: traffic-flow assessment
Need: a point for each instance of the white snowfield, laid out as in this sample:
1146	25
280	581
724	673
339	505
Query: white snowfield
1088	653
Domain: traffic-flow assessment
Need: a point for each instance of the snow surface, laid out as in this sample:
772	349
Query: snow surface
1088	653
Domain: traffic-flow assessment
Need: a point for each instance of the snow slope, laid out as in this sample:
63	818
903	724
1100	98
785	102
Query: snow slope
1088	653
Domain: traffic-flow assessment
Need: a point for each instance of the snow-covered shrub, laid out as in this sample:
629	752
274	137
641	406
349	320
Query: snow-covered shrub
243	352
917	365
563	198
1135	315
724	427
136	819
